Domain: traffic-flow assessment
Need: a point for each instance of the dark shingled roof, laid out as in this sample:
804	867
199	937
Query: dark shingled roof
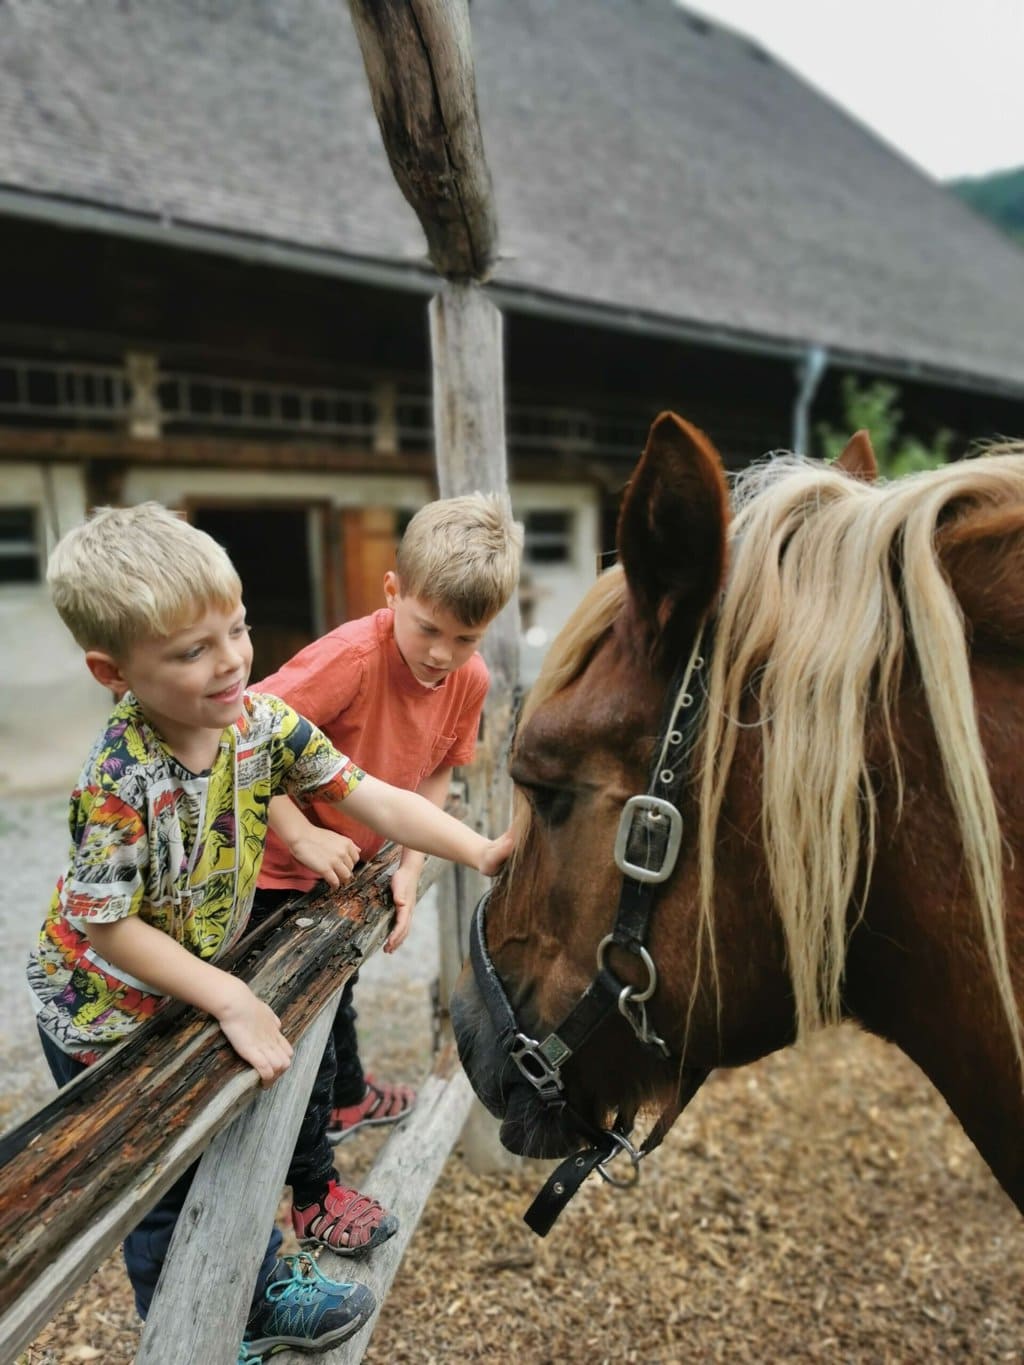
645	161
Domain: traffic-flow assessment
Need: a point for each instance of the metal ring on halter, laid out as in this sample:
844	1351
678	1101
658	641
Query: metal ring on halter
638	997
634	1157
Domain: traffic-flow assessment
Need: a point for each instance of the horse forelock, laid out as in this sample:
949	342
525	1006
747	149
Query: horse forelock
832	579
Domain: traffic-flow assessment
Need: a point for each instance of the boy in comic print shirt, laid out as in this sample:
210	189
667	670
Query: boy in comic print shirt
168	825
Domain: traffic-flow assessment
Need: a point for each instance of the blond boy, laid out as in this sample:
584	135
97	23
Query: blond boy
168	824
401	689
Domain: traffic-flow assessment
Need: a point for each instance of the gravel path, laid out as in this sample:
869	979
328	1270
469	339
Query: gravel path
33	845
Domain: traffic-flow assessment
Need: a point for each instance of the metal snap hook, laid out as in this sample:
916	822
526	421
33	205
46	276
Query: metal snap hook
624	1145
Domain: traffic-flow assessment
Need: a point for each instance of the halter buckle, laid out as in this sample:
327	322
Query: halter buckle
658	815
541	1063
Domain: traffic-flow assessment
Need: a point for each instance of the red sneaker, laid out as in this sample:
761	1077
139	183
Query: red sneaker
344	1220
382	1103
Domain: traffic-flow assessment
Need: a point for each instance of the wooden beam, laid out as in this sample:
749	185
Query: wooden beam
419	62
469	428
64	446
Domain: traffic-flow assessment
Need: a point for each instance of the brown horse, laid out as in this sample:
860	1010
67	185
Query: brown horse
846	766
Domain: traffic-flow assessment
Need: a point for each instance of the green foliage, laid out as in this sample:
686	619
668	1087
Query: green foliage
999	197
875	408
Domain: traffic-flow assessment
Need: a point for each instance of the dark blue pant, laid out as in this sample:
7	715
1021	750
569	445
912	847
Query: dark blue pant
145	1248
339	1081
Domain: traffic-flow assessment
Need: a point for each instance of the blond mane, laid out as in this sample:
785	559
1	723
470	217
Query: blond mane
825	571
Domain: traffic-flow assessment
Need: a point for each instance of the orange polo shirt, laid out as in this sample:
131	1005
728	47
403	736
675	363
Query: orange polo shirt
355	686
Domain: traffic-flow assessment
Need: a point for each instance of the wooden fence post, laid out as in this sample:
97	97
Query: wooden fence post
419	63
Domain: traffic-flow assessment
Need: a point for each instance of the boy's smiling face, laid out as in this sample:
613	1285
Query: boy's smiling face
190	681
432	641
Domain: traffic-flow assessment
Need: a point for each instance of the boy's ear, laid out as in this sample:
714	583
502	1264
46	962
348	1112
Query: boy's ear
392	587
106	670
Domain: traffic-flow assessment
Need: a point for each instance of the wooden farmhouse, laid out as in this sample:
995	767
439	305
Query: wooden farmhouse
215	295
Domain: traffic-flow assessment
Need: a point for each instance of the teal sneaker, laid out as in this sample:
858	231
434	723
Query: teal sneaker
247	1357
304	1310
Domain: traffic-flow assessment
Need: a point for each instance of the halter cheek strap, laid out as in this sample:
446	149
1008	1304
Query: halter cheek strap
646	848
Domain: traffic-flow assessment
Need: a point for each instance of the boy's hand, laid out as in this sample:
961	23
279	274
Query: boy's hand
254	1031
403	892
495	854
331	856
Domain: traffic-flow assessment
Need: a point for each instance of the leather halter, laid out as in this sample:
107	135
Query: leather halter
646	849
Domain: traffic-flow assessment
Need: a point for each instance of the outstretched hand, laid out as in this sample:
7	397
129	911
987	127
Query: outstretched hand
496	853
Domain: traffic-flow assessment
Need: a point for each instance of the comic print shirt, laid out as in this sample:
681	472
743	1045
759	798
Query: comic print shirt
180	849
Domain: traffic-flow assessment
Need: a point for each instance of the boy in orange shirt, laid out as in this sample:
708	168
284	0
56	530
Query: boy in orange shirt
402	690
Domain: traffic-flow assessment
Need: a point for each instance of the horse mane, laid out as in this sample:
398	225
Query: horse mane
832	579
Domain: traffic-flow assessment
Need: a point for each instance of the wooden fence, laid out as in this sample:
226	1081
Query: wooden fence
78	1174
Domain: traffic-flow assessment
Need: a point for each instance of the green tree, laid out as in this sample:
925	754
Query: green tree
875	407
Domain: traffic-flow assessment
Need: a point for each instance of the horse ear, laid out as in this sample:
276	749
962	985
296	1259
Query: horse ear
858	457
672	532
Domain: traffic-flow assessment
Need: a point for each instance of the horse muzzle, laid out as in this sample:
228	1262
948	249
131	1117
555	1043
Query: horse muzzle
528	1127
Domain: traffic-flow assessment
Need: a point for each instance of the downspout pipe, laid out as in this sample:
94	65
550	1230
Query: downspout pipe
808	372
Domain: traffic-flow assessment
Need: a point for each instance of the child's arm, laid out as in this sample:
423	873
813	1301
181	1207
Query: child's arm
329	854
250	1026
406	880
413	821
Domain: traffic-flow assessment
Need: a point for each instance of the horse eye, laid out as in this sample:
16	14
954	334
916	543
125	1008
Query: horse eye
550	804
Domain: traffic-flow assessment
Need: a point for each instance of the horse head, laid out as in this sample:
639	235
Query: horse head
797	662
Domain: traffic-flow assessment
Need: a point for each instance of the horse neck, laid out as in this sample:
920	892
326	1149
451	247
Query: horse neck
938	1004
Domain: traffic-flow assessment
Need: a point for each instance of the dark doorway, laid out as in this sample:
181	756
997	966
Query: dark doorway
269	546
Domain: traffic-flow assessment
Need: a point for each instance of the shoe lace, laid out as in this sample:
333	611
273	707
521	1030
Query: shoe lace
304	1285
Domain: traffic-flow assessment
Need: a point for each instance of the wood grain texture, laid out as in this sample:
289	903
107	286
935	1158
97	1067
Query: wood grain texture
419	63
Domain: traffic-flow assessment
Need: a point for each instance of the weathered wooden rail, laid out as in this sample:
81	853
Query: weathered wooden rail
78	1174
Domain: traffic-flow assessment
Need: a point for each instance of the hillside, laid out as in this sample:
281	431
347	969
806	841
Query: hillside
999	196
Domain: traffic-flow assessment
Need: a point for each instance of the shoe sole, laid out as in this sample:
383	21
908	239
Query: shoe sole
336	1135
271	1346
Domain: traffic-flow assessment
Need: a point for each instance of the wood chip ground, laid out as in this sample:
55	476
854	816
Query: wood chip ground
822	1205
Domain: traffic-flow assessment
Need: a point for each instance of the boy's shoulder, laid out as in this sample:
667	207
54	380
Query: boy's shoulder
474	674
122	759
347	646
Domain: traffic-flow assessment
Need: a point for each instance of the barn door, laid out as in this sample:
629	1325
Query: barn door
369	536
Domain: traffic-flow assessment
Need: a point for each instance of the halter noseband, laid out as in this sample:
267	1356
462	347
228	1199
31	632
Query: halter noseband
646	848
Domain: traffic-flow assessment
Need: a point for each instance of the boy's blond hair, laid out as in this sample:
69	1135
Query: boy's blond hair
131	573
462	554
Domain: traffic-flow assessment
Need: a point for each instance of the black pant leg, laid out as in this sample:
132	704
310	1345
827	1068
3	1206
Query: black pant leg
349	1080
